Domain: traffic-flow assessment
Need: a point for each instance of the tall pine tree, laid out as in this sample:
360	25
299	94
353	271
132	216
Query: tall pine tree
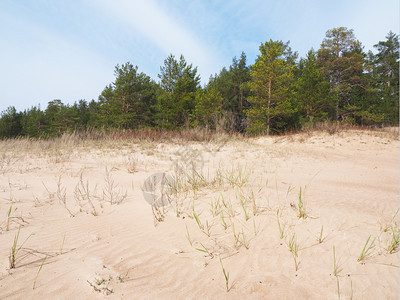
272	76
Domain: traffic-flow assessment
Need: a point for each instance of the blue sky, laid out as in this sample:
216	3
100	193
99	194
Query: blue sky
58	49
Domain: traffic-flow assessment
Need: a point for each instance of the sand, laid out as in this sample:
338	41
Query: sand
245	196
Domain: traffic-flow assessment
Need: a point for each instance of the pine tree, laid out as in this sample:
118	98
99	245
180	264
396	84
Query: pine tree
387	71
312	90
232	84
32	122
179	83
341	61
129	102
272	75
207	111
10	123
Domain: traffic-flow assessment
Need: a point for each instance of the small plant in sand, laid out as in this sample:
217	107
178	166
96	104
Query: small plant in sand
218	180
37	275
205	228
15	249
205	250
176	190
245	241
236	237
9	217
368	246
281	228
62	196
188	237
246	214
197	180
112	193
50	194
386	227
338	286
6	163
393	229
254	204
83	196
228	206
301	207
62	244
132	165
157	196
224	224
196	217
158	213
121	278
293	248
237	177
351	289
215	207
255	227
101	285
394	241
242	204
336	268
321	238
226	275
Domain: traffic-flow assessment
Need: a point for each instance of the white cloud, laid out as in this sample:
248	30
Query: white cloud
148	18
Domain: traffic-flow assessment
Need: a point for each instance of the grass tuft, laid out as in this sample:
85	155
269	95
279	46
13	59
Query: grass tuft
281	229
226	275
293	248
366	248
15	249
394	242
37	275
321	238
301	208
336	269
188	236
205	250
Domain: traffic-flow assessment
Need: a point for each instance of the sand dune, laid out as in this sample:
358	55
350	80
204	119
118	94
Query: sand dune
86	230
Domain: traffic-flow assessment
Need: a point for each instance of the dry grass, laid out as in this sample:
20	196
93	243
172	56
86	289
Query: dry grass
337	127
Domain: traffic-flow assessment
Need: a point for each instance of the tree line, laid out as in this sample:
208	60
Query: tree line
279	92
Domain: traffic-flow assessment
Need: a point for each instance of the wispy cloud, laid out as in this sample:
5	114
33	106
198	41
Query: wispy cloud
147	18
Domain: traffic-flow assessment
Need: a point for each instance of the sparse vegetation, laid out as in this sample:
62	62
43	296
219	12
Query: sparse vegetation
83	196
232	211
62	195
205	250
188	236
336	267
321	238
15	249
293	248
280	227
394	241
366	249
226	275
301	207
101	285
37	275
112	193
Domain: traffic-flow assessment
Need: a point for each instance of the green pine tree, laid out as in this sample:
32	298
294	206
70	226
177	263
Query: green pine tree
272	76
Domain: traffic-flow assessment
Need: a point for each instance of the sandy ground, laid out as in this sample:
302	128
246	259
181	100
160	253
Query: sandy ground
234	207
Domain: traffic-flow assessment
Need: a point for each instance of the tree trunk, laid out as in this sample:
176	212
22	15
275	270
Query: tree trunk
269	107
